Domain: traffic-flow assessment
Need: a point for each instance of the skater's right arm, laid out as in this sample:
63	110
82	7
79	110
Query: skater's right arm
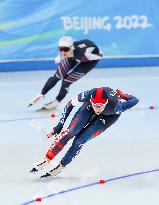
56	130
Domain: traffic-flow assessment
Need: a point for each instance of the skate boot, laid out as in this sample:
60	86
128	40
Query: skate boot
35	100
52	105
54	172
39	166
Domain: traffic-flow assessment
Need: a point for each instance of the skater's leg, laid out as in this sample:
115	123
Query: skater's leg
61	139
79	71
76	146
63	90
64	67
94	129
59	142
76	73
50	83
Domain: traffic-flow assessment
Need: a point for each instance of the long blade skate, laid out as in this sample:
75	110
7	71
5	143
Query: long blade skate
45	111
39	166
54	172
53	105
36	99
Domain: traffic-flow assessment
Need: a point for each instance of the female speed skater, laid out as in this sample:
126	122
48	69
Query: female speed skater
100	108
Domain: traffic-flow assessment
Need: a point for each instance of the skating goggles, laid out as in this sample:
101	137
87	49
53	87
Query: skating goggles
65	49
98	105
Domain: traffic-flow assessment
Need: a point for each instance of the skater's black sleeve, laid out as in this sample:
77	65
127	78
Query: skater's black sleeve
68	108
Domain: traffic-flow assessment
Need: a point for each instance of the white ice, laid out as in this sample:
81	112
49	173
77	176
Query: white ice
130	146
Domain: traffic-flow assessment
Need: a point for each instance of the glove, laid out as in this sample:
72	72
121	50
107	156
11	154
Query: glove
57	59
35	100
51	134
56	130
90	56
122	95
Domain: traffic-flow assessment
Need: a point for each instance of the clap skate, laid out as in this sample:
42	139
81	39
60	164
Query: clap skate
54	172
39	166
35	99
53	105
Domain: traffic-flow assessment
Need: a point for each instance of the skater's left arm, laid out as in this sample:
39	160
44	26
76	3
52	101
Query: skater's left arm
130	101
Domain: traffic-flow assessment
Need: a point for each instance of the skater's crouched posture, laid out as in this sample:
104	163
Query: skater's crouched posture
101	107
75	60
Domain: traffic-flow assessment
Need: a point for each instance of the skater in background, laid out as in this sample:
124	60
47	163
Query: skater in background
75	60
101	108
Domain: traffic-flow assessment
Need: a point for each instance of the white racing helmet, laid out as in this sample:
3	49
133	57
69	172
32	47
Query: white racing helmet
66	41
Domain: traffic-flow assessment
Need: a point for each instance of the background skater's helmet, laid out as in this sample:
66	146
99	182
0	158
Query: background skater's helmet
66	41
99	96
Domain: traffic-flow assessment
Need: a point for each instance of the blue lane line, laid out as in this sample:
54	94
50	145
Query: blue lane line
89	185
46	116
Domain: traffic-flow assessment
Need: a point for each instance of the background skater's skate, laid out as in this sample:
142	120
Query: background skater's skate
49	107
45	111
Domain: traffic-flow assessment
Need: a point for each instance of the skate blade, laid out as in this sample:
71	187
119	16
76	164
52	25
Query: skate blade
43	110
46	175
33	171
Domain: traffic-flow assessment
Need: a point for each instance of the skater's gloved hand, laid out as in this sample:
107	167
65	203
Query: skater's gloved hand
51	134
90	55
55	131
57	59
122	95
36	99
58	128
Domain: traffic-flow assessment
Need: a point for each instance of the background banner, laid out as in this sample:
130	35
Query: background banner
31	29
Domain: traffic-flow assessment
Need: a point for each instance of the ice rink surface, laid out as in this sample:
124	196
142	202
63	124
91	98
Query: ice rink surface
126	156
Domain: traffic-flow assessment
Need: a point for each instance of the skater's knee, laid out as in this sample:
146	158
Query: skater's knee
79	142
63	91
66	84
53	79
72	132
